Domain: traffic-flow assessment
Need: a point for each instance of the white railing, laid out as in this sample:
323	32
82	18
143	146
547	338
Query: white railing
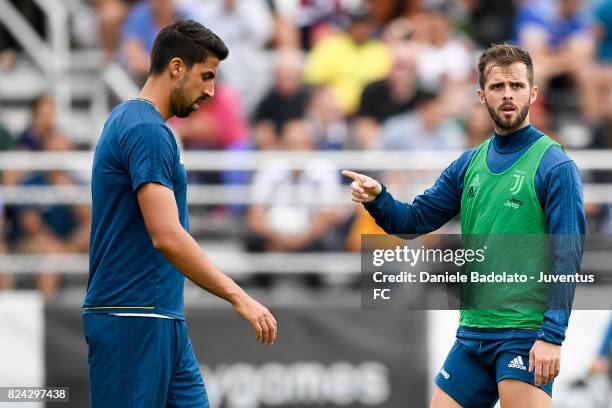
52	57
366	161
234	263
237	262
252	160
231	194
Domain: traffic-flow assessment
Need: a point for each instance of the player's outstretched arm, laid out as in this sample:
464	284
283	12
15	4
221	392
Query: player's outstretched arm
364	189
160	214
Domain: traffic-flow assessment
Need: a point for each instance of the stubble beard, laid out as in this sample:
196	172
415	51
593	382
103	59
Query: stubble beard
508	124
181	105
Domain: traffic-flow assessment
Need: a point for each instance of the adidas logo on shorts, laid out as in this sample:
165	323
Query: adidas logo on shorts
517	363
444	374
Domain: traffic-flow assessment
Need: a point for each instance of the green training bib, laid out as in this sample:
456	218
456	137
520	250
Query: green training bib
501	212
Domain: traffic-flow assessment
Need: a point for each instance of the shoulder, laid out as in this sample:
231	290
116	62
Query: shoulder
376	87
555	155
136	117
149	136
455	172
459	167
466	156
553	158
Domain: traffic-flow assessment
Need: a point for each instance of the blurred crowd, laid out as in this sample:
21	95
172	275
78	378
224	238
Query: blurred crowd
319	75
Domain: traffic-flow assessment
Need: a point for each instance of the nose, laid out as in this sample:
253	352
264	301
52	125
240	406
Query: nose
209	91
507	93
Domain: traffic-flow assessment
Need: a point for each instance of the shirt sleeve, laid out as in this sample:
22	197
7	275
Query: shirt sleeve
565	218
149	153
430	210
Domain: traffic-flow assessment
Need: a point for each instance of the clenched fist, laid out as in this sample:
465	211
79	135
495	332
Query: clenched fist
363	188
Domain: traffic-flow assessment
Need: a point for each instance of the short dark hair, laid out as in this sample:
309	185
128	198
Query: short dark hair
503	55
187	40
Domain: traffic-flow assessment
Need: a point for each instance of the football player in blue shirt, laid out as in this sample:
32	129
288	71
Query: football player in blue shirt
140	252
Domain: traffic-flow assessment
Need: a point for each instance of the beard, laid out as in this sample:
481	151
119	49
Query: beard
182	104
508	124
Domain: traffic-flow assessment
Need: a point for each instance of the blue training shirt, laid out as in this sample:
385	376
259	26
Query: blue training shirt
126	272
559	190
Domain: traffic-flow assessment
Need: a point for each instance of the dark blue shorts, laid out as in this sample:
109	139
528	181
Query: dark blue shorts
474	367
142	362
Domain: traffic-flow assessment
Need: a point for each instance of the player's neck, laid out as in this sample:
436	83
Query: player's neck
157	92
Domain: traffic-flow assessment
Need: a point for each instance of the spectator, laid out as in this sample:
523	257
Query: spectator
6	280
602	134
54	229
42	124
286	33
9	45
399	93
317	20
601	362
602	75
490	22
558	35
603	29
429	127
328	123
7	141
246	26
384	11
143	23
349	61
446	59
218	124
287	215
285	101
602	139
111	16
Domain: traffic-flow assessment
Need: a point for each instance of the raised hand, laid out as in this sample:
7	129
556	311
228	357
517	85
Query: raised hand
363	188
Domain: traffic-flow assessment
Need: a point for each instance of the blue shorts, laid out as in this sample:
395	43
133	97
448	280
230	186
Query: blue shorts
473	368
142	362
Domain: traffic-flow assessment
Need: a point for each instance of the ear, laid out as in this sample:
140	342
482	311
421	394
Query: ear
534	94
177	67
481	96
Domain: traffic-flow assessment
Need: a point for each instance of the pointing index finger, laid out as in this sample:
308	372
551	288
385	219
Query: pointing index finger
352	175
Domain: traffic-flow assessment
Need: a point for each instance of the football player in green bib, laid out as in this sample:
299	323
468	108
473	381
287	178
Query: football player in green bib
518	182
